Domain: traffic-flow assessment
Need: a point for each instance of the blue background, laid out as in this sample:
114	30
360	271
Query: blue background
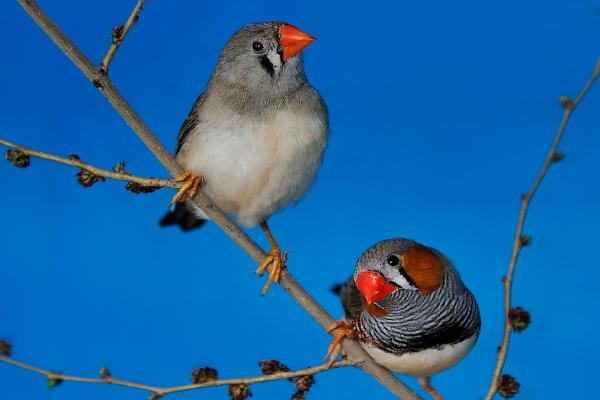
441	115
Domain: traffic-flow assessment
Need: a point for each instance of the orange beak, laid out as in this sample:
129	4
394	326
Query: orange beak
293	40
373	286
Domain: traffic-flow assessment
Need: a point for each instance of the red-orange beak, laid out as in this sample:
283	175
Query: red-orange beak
373	286
293	40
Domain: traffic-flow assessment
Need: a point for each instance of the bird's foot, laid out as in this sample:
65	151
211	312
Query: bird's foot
277	262
334	349
426	384
191	183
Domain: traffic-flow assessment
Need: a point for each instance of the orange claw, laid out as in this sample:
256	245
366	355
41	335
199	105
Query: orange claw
334	348
275	259
191	183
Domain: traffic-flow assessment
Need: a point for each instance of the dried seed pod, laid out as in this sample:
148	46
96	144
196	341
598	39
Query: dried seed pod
239	391
508	386
204	374
519	319
17	158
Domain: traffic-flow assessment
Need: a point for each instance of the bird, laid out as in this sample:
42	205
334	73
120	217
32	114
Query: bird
255	138
409	309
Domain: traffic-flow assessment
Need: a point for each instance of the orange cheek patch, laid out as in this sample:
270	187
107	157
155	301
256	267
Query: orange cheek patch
424	267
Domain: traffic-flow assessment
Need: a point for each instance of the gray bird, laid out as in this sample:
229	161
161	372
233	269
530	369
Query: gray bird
409	309
255	138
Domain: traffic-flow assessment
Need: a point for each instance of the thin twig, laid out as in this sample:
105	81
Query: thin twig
118	35
569	106
162	391
353	349
95	170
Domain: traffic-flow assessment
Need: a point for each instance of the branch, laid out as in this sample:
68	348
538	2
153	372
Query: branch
119	33
353	349
162	391
520	241
75	162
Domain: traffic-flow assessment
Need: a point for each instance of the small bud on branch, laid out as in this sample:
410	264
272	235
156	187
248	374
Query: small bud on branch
117	32
5	348
136	188
204	374
53	382
17	158
239	391
154	396
525	240
104	373
299	395
270	367
508	386
566	102
558	156
87	178
120	167
519	319
304	383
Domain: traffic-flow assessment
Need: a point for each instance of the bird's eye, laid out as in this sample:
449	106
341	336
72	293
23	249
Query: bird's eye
257	46
393	260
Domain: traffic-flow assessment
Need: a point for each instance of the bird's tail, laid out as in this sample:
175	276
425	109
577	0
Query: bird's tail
179	214
350	297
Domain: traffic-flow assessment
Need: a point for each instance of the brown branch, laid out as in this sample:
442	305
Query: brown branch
353	349
553	156
162	391
118	35
121	176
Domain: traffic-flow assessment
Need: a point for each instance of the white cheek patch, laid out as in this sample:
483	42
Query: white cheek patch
393	275
275	60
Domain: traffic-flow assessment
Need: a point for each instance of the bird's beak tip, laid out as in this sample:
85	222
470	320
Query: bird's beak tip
293	40
373	286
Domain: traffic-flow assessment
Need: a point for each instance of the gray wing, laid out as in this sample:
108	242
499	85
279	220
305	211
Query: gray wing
192	120
351	299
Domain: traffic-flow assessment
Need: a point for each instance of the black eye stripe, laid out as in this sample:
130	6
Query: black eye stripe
267	65
408	278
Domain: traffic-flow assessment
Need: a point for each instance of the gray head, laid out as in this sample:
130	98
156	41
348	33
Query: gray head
263	59
413	297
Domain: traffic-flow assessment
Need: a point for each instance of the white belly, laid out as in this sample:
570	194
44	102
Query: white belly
424	363
254	168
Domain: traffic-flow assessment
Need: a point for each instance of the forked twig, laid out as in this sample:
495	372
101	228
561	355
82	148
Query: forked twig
519	240
75	162
118	35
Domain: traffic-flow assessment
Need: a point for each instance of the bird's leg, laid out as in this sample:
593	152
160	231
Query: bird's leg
426	384
334	348
191	183
275	259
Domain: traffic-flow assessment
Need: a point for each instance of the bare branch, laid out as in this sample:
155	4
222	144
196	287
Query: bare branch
162	391
119	33
353	349
520	240
75	162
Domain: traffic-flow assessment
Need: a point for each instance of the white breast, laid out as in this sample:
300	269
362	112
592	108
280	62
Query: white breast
424	363
255	167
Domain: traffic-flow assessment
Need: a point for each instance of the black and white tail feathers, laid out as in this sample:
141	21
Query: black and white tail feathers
350	297
180	215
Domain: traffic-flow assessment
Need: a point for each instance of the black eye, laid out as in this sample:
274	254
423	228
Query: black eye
257	46
393	260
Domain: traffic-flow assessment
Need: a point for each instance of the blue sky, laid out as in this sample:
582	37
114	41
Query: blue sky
441	114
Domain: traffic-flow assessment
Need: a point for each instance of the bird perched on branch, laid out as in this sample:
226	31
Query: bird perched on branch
408	308
255	138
